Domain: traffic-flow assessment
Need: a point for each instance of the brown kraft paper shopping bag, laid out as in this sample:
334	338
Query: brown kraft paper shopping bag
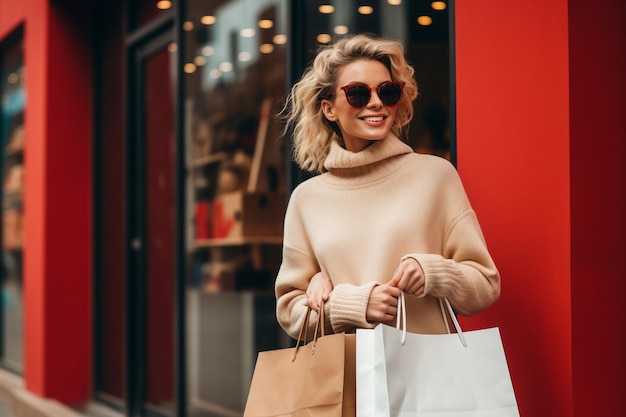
312	380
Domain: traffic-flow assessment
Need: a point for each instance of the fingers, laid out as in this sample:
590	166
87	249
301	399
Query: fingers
409	277
383	304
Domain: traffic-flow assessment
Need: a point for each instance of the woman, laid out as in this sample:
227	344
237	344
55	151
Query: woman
380	219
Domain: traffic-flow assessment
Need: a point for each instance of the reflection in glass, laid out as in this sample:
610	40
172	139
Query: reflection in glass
12	135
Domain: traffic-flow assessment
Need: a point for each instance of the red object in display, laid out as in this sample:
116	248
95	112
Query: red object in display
203	220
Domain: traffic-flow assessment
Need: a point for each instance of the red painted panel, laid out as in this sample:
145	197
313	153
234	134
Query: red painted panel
68	215
598	146
513	156
57	200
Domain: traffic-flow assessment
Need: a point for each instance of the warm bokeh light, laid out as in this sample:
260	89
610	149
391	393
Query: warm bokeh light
438	5
324	38
188	26
208	50
365	9
394	2
266	48
244	56
163	4
280	39
189	68
266	24
172	47
425	20
208	20
199	61
326	9
341	29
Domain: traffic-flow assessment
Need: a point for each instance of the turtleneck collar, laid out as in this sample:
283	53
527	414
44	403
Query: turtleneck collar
377	160
341	158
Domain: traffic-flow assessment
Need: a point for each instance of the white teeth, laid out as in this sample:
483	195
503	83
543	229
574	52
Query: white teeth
373	119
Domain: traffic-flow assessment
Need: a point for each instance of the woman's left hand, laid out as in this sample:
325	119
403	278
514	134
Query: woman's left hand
409	277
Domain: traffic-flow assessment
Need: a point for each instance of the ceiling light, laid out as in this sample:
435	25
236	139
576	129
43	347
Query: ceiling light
244	56
438	5
280	39
365	9
163	4
326	9
425	20
324	38
266	24
199	61
247	32
394	2
266	48
341	29
208	20
226	66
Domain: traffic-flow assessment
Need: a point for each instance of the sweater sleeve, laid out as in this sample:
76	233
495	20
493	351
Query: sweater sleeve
465	273
346	308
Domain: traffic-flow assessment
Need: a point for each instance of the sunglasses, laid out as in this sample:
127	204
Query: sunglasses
358	95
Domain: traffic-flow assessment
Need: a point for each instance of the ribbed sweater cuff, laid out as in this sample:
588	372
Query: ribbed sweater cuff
442	277
348	306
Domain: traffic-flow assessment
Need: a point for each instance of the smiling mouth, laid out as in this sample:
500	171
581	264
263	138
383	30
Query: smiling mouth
374	119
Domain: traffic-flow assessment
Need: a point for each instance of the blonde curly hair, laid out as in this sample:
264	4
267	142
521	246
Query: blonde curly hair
312	132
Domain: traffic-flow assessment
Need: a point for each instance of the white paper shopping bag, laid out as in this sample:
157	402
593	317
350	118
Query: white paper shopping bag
450	375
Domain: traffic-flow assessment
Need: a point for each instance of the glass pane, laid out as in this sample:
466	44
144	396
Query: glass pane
423	28
143	11
111	256
160	236
236	61
12	106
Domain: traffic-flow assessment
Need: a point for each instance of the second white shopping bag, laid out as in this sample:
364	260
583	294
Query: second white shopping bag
402	374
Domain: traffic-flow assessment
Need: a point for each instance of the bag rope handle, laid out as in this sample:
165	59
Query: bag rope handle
401	318
457	326
319	330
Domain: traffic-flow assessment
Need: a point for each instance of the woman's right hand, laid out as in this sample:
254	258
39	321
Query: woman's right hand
318	291
382	306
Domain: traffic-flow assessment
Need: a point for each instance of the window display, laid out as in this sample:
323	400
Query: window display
235	77
12	104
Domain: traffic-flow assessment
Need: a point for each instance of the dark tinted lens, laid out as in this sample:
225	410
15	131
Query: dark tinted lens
390	93
357	95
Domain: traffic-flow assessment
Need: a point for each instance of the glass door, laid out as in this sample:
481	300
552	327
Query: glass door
152	213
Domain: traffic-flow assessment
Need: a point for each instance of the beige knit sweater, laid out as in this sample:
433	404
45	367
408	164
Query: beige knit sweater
358	220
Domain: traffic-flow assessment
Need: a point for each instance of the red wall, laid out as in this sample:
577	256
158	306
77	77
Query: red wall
598	192
534	150
57	201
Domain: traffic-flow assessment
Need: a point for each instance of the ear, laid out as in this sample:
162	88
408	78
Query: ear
328	108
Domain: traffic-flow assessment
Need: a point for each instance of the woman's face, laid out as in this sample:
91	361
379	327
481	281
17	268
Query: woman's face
360	126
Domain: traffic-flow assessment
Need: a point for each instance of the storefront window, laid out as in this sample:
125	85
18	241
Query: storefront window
235	76
12	105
